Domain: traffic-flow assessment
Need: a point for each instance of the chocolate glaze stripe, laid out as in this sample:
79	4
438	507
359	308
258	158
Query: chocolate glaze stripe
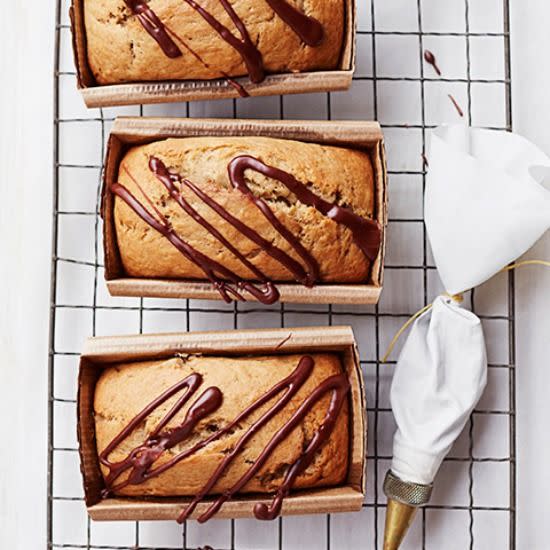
339	386
240	89
274	251
307	28
190	384
141	459
250	54
292	383
165	229
154	26
267	293
209	266
456	105
366	233
236	170
168	178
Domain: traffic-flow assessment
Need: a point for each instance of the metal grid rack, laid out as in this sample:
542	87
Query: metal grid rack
476	502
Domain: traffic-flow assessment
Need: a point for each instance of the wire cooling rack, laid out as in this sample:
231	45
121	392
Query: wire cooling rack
473	506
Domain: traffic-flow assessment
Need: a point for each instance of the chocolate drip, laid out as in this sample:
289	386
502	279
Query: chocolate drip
430	58
267	246
246	48
141	459
366	233
154	26
307	28
240	89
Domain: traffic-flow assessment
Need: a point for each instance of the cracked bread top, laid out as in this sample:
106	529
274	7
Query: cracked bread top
122	391
121	50
338	175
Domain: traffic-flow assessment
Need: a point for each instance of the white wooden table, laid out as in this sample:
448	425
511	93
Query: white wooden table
26	59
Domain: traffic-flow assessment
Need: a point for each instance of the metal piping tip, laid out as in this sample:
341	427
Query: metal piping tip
404	498
399	518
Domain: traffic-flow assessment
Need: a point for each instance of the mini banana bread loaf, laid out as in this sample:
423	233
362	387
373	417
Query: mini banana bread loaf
240	209
198	425
139	40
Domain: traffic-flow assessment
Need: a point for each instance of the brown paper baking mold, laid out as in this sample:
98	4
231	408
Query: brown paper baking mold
99	353
194	90
129	131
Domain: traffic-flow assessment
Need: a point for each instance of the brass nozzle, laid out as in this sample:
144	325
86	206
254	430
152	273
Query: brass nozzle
399	517
403	500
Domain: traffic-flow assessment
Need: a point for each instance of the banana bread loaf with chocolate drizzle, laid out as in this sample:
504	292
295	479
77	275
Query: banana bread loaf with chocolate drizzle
152	40
198	425
246	213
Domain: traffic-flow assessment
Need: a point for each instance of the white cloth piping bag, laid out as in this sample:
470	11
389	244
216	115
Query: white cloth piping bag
487	202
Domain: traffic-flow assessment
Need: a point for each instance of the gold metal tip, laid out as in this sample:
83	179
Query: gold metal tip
399	517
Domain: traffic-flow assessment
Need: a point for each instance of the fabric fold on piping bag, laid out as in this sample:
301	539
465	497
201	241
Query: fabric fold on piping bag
485	202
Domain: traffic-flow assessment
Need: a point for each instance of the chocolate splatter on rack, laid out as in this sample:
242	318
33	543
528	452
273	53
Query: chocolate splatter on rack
430	58
366	233
307	28
456	105
140	462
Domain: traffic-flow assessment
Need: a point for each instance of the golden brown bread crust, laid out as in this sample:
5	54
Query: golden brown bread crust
338	175
121	50
123	391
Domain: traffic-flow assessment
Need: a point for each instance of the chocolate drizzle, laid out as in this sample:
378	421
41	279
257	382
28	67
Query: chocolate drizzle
307	28
239	87
140	462
366	233
154	26
170	178
211	268
246	48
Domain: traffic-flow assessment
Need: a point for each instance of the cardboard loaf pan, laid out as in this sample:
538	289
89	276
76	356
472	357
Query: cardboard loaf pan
127	132
99	353
132	93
